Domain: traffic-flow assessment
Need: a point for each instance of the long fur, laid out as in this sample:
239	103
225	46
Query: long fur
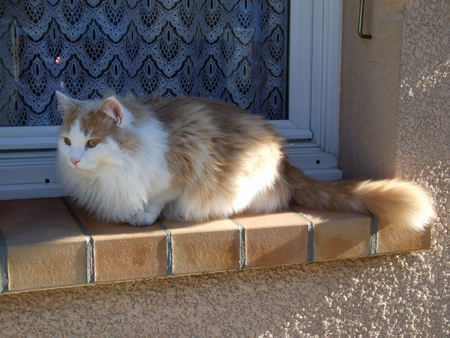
197	159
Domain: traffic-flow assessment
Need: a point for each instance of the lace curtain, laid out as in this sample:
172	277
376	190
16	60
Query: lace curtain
232	50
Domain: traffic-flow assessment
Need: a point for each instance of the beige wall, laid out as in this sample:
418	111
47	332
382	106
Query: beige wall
369	89
404	71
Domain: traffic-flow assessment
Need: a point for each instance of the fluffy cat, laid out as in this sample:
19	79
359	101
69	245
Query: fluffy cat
196	159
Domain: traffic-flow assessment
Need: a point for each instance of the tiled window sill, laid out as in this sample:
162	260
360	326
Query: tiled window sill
50	243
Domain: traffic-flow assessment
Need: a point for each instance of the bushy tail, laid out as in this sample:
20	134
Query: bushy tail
392	200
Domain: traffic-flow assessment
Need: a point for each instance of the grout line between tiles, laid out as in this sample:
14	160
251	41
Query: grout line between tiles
169	249
242	245
90	271
310	257
4	280
373	236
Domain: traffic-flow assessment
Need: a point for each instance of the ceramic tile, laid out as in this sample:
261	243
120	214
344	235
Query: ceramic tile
338	235
274	239
204	247
45	246
124	252
396	239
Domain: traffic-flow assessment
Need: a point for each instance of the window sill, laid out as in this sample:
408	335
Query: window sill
50	243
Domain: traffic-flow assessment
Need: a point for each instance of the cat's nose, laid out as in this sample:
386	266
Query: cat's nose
74	161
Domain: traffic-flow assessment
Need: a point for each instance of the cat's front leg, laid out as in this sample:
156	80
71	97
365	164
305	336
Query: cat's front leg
145	217
152	210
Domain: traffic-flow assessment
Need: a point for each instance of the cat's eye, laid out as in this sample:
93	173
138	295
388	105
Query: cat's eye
92	143
67	141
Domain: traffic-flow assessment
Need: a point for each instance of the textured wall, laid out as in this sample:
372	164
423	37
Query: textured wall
370	89
405	295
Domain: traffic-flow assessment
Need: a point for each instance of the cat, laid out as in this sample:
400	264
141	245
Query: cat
134	160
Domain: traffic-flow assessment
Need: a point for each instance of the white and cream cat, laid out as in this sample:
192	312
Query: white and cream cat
196	159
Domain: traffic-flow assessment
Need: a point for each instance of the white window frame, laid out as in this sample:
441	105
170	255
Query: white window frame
28	154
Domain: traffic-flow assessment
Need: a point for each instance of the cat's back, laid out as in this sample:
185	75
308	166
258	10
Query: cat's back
220	155
210	118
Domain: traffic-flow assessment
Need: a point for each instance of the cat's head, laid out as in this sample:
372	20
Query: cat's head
92	132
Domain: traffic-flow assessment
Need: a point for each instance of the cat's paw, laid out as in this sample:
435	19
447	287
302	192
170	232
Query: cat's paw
143	219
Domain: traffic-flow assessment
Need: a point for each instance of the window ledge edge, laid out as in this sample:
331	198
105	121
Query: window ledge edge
54	235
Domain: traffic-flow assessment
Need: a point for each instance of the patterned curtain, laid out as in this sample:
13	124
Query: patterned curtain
232	50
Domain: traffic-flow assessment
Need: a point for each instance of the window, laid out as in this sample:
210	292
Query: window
277	58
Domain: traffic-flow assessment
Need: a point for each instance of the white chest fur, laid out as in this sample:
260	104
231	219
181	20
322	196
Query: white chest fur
111	182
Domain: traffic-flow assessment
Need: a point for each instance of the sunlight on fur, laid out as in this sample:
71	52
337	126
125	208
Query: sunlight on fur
130	160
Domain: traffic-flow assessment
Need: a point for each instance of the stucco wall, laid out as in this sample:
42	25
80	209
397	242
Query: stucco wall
405	295
370	77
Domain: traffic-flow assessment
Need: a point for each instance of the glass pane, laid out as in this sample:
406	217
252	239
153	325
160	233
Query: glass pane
233	50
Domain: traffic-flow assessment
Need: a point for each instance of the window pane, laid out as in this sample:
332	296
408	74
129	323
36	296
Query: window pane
233	50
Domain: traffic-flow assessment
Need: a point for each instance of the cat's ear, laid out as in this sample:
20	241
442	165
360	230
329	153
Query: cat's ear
113	109
65	103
